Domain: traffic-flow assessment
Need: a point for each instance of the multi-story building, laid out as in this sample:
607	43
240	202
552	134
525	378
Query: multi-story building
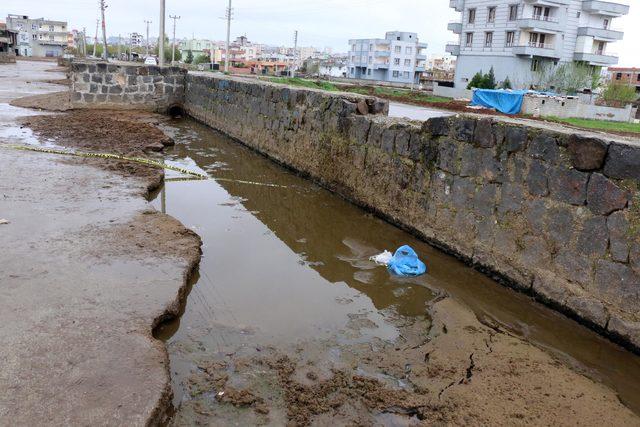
625	75
399	57
39	37
8	40
519	37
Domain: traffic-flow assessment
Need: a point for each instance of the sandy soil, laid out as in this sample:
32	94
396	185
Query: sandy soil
59	101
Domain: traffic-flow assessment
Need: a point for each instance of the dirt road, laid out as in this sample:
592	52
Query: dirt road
87	270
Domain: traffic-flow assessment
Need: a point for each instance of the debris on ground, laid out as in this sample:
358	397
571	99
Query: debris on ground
3	221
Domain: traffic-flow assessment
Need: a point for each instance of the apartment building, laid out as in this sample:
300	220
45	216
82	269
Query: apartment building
519	37
399	58
39	37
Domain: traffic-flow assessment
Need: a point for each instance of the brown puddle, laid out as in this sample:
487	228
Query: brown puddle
288	261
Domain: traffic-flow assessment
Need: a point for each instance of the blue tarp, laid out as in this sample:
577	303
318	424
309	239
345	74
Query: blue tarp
505	101
405	262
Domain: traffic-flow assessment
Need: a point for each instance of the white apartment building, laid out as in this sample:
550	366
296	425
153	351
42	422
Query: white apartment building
519	37
39	37
399	57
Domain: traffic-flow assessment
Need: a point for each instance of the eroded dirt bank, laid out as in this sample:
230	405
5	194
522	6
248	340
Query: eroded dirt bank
87	270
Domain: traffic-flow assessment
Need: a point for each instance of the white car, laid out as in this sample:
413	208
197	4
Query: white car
151	60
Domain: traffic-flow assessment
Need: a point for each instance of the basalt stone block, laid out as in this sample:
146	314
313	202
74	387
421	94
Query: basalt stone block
464	129
131	80
78	67
141	71
490	168
153	70
586	153
511	198
437	126
568	185
604	196
618	282
115	89
618	227
536	252
101	97
93	88
91	68
448	156
544	146
97	78
86	78
536	181
108	78
388	140
469	160
101	67
76	96
623	161
573	267
515	139
560	224
484	200
104	89
131	89
147	79
588	308
111	68
403	138
535	212
484	135
88	97
593	240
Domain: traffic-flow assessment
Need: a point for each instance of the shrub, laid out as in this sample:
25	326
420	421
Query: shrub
189	58
617	92
506	84
483	81
477	81
201	59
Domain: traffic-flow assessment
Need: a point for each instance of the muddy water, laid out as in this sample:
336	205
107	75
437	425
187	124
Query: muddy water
285	260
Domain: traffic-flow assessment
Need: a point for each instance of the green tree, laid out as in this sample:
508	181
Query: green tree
489	80
477	81
201	59
506	84
189	58
619	93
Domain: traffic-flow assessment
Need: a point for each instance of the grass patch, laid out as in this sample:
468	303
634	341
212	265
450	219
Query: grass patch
598	124
313	84
407	95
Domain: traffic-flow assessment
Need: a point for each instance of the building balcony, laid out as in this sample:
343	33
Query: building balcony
453	48
382	54
537	49
53	43
455	26
605	8
599	59
552	3
540	24
419	69
458	5
421	57
601	33
380	66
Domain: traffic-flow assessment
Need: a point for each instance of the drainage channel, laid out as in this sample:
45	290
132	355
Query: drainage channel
285	261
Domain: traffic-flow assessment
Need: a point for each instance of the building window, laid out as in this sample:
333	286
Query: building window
396	74
535	64
396	61
638	79
371	60
51	38
353	48
605	24
488	39
34	27
371	46
51	28
408	50
34	36
406	74
469	40
510	38
398	49
491	16
407	63
352	70
541	13
369	72
618	76
513	12
472	16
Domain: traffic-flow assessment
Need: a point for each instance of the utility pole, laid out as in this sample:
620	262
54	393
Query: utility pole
119	43
173	50
295	54
148	22
84	41
161	37
105	53
95	39
226	54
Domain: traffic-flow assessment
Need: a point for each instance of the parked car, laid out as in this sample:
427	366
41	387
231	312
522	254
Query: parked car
151	60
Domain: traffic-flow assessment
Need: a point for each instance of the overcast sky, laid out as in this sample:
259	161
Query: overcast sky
320	22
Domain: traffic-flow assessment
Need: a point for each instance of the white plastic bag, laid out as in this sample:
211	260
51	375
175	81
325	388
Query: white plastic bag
383	258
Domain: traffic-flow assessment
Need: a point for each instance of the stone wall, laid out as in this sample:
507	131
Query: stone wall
552	214
102	85
7	58
546	106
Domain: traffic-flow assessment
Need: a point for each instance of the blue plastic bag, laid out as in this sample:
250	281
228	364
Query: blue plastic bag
405	262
